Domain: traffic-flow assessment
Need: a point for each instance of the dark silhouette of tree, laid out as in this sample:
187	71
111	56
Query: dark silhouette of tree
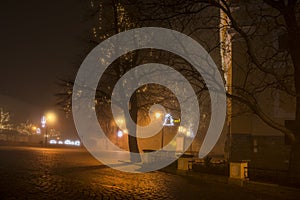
5	123
110	18
267	63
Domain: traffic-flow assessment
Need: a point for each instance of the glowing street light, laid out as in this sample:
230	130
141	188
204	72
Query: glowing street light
120	121
157	115
49	117
182	129
120	133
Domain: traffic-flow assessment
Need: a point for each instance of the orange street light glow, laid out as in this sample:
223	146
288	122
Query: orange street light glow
157	115
51	117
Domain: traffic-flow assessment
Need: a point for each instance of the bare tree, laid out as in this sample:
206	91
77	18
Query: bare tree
5	123
266	67
267	61
25	128
110	18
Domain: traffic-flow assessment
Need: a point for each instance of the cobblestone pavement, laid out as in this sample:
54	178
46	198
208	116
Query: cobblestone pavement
48	173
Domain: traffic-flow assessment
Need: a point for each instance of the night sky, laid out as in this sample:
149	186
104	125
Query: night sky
40	44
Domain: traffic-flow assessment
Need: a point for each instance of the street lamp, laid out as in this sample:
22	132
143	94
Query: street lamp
157	115
49	117
120	133
119	136
44	125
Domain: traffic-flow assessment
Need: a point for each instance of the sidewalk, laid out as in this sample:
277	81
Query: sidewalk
275	190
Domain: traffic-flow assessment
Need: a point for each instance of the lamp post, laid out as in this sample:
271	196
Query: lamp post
167	121
119	136
49	117
158	116
44	125
120	123
162	137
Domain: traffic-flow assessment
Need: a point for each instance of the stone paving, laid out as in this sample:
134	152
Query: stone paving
47	173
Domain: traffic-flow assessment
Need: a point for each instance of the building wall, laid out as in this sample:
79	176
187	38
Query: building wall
249	137
265	152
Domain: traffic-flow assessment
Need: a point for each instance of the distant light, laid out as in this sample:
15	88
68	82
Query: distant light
43	121
53	142
176	120
120	121
51	117
190	133
182	129
157	115
77	143
67	142
120	133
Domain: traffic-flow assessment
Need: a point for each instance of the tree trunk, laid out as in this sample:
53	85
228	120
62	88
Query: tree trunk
294	44
132	140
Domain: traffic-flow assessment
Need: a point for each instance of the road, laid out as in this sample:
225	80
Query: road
57	173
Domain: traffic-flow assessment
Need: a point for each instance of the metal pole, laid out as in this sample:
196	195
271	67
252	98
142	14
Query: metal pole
117	139
46	135
162	137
